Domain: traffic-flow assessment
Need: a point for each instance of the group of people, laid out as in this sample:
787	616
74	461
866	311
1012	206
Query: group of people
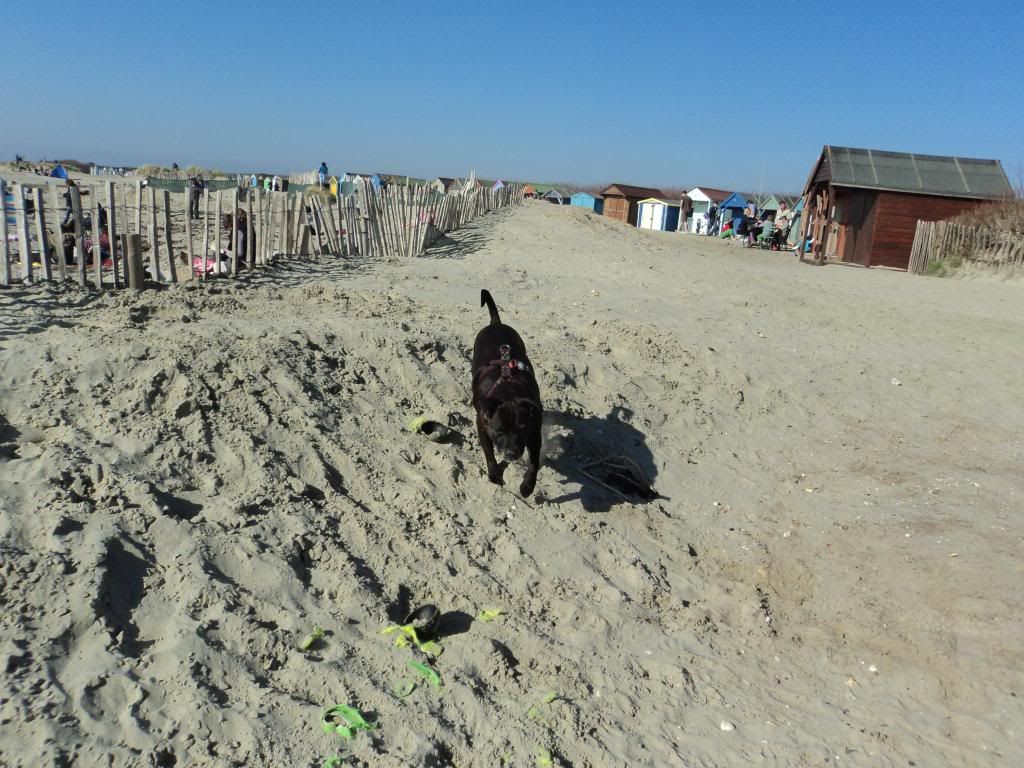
269	183
770	228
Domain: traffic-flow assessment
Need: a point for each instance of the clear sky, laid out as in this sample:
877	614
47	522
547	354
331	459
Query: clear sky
658	93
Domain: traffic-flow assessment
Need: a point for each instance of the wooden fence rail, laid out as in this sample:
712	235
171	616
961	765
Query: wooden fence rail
945	241
54	234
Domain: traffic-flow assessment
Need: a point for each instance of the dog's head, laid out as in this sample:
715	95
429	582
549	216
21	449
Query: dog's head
507	423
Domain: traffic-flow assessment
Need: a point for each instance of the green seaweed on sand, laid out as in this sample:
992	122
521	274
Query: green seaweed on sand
489	614
406	634
345	721
310	640
430	674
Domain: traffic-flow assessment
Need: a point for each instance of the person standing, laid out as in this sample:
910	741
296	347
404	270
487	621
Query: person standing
195	191
713	220
322	175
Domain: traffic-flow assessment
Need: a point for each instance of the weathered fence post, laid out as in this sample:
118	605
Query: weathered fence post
5	253
190	251
154	263
233	235
21	223
169	236
44	251
112	231
133	252
56	235
97	250
76	214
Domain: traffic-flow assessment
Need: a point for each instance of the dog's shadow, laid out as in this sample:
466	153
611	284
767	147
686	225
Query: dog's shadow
575	443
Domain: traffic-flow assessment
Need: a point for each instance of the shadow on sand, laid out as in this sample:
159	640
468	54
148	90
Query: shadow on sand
575	443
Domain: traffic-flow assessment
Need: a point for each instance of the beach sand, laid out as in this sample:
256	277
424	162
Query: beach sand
193	478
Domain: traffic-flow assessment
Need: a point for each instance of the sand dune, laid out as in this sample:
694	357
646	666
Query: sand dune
192	479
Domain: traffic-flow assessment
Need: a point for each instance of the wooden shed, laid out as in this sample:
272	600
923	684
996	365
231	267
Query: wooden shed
862	205
622	201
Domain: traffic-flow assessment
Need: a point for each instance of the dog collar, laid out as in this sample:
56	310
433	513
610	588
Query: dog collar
508	364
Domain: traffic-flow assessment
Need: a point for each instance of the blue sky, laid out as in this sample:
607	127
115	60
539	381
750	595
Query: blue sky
659	93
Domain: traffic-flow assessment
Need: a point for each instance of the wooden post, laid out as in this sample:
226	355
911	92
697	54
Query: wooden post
5	252
76	215
188	234
138	206
56	236
169	236
250	235
217	223
44	251
21	223
133	253
206	232
154	265
97	258
112	231
233	235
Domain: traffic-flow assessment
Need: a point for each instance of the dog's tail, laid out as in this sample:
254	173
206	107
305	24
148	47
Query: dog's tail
485	299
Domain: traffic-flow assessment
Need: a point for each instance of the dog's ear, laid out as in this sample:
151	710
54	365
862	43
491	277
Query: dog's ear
526	410
489	407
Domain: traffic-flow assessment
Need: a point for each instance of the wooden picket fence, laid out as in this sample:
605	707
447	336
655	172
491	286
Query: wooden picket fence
399	221
944	241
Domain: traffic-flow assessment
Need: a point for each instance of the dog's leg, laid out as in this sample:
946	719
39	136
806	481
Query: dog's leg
530	478
495	471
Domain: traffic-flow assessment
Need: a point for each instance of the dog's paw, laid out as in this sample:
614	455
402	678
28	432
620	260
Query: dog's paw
496	476
526	487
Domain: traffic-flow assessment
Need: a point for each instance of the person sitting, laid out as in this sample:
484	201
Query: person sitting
783	221
726	229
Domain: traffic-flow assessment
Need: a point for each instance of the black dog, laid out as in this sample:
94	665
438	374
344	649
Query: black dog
506	398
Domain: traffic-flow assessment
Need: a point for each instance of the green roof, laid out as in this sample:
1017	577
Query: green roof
922	174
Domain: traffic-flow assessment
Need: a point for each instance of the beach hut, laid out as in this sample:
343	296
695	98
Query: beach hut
499	184
862	205
333	185
529	191
794	230
701	200
587	200
355	177
658	213
621	201
556	196
59	172
732	208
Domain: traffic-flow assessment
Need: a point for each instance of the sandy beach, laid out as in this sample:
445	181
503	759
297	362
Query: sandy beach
833	574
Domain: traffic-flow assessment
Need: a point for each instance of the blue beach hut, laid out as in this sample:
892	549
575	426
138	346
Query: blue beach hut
587	200
732	207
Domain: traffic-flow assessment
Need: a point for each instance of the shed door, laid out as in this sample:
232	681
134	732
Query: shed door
650	216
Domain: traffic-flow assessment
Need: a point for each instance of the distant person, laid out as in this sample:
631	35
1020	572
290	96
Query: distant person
322	175
713	220
174	166
746	225
195	191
